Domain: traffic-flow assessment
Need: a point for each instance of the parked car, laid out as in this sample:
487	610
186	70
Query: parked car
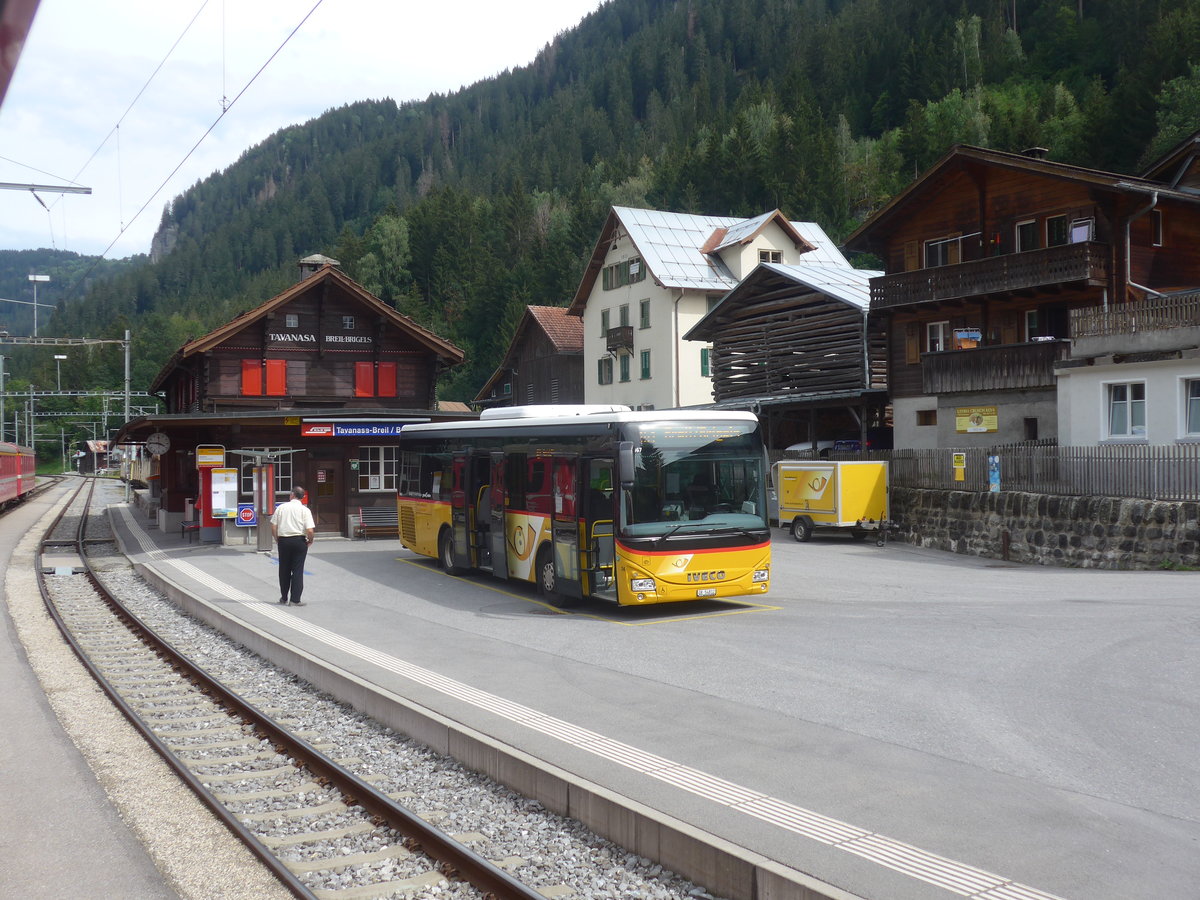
879	438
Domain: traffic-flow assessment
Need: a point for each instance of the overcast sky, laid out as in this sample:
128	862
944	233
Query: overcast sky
85	62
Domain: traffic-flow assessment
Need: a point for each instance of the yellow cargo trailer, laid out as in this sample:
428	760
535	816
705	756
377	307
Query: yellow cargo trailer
850	496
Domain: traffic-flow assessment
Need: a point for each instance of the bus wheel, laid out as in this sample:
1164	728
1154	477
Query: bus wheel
547	581
446	553
802	530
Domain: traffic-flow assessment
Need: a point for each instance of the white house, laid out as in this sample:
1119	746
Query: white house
1133	376
652	277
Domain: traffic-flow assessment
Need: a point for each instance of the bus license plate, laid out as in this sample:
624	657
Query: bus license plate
706	592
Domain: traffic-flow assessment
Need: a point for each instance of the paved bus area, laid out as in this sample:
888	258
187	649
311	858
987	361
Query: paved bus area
919	717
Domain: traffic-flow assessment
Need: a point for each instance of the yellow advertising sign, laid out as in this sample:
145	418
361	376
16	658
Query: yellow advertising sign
975	419
960	466
210	457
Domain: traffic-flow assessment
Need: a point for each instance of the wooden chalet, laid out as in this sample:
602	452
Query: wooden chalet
985	256
792	344
320	379
543	364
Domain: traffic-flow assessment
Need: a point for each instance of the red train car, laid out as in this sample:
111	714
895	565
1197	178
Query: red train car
17	473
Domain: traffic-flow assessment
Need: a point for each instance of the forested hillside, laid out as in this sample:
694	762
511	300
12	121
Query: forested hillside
462	209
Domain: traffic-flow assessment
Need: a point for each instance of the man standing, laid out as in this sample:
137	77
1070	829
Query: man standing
293	528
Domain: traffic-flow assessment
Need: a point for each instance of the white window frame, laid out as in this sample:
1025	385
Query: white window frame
1190	423
770	256
291	320
624	368
283	471
347	323
647	373
381	461
1129	405
623	315
1078	234
943	336
604	370
1030	226
942	246
1031	323
605	319
644	313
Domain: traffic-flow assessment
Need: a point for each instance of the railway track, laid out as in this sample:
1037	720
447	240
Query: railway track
333	804
293	805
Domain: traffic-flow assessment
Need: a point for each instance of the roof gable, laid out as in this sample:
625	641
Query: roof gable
326	275
1179	164
563	330
842	284
962	157
682	250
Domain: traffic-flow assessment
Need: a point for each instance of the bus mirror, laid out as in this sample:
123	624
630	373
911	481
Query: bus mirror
625	462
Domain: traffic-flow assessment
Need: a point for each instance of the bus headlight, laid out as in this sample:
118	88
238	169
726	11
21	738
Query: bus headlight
761	575
645	585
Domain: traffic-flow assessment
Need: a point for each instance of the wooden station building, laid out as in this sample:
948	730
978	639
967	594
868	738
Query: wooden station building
319	380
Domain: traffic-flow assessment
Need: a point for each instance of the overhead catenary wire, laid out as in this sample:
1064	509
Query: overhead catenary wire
225	110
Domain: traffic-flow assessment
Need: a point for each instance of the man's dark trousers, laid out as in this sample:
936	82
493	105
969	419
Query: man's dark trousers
292	552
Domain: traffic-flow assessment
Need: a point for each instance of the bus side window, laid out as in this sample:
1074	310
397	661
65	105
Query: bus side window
564	487
516	473
538	496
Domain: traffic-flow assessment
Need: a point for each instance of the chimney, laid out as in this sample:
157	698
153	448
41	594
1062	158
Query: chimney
310	265
1035	152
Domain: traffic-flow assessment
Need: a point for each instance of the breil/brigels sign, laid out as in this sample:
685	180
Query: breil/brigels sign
287	337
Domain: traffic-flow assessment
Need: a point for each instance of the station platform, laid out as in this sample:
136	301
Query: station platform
661	727
61	836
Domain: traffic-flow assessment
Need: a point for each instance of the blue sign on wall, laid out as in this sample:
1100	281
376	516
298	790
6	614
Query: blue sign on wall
367	429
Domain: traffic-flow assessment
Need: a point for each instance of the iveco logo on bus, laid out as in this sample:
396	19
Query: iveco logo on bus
706	576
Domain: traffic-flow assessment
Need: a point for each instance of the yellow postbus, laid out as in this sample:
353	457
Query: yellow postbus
600	502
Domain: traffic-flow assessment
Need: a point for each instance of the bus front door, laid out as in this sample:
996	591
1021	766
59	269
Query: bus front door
599	514
565	528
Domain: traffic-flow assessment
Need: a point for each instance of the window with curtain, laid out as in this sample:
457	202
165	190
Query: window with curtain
1127	410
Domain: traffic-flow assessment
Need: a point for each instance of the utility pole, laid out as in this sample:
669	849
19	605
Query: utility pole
2	359
36	279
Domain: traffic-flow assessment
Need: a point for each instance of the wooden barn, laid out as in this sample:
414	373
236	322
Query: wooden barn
543	364
792	344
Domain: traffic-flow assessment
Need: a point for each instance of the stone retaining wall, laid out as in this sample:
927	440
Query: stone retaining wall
1049	530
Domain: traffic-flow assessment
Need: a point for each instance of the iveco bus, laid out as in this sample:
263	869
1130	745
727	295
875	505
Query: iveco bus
628	507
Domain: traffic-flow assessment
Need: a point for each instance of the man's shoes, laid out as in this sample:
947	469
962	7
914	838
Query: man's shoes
297	603
282	601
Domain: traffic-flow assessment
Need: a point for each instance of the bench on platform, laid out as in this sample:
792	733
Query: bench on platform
378	522
189	529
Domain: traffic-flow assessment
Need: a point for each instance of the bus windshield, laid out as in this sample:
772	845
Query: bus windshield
696	477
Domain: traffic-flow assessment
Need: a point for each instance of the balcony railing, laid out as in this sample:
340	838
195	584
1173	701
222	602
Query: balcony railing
620	338
1004	367
1154	314
1083	262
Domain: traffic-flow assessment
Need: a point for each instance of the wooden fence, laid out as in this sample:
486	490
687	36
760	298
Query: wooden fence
1169	472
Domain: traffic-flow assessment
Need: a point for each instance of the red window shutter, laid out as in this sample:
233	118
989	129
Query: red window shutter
364	379
276	377
387	379
251	378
